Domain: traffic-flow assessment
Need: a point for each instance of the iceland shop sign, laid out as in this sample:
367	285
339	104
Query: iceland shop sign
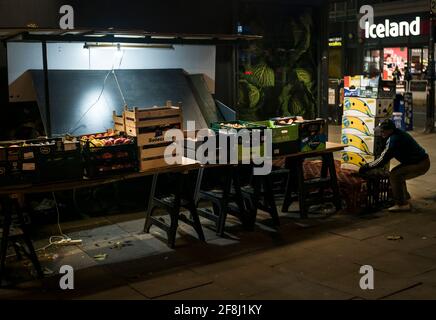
387	29
393	29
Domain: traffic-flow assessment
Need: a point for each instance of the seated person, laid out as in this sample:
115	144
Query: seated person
414	162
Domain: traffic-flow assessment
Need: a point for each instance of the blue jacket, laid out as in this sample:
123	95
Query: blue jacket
402	147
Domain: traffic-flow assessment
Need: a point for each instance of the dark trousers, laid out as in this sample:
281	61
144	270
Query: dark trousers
400	174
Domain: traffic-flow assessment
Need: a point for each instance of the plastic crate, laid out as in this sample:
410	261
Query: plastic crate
285	138
57	161
18	164
109	160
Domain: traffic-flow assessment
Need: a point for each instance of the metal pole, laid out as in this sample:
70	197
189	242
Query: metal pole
429	126
46	90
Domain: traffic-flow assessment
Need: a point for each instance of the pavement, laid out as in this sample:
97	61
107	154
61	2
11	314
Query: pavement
316	258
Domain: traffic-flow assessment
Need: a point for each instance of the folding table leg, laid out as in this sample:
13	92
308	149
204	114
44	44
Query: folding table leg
196	222
148	220
31	250
270	201
290	184
333	179
301	188
5	237
324	171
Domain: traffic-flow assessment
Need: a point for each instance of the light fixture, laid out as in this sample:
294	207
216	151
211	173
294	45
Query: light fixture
120	46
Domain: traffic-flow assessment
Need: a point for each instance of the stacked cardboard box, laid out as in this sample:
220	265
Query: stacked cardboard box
363	112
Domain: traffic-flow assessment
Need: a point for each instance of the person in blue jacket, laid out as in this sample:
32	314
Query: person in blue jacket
414	162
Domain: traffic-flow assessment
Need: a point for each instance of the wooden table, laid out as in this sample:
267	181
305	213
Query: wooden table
297	183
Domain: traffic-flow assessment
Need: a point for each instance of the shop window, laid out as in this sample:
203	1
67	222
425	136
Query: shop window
418	60
371	62
394	63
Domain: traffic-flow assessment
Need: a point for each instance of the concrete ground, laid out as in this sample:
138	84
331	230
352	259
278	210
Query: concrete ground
316	258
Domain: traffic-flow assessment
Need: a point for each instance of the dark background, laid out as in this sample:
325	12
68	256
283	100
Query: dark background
179	16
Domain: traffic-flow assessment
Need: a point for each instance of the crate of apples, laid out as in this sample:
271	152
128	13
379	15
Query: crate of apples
106	142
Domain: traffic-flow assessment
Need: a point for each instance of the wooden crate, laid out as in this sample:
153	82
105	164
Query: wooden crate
153	156
119	123
149	125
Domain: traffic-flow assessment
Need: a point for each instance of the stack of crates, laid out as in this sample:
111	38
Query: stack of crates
366	104
148	126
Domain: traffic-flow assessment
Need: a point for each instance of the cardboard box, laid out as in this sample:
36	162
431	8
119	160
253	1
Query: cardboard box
354	160
385	107
352	86
313	135
358	143
360	107
360	125
368	107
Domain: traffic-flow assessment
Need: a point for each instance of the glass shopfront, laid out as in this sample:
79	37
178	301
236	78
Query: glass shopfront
386	61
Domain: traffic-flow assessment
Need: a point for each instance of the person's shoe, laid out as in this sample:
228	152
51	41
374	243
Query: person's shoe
400	208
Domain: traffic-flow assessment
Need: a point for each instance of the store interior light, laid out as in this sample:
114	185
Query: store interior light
131	36
120	46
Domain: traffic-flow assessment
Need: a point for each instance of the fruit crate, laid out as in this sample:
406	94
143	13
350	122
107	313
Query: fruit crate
285	138
17	164
56	159
236	125
119	122
102	158
149	125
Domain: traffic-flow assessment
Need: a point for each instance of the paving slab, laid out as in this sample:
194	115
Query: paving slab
119	293
206	292
303	290
420	292
170	284
317	267
399	263
129	248
384	285
427	252
409	242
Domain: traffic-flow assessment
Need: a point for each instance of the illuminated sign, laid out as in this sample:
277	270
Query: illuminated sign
393	29
335	42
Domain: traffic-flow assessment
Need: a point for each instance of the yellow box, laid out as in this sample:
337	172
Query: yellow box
360	125
358	143
368	107
354	160
360	107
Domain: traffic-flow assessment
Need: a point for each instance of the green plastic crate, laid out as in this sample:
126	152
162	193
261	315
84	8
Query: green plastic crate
280	133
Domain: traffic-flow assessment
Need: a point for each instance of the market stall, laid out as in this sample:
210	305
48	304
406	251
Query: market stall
105	125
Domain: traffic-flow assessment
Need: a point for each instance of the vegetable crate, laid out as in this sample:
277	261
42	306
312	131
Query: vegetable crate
284	137
233	134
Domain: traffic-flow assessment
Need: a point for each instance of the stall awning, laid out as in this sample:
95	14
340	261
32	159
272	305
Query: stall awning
123	36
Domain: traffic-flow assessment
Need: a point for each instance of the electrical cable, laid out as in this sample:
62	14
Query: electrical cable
76	125
62	237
